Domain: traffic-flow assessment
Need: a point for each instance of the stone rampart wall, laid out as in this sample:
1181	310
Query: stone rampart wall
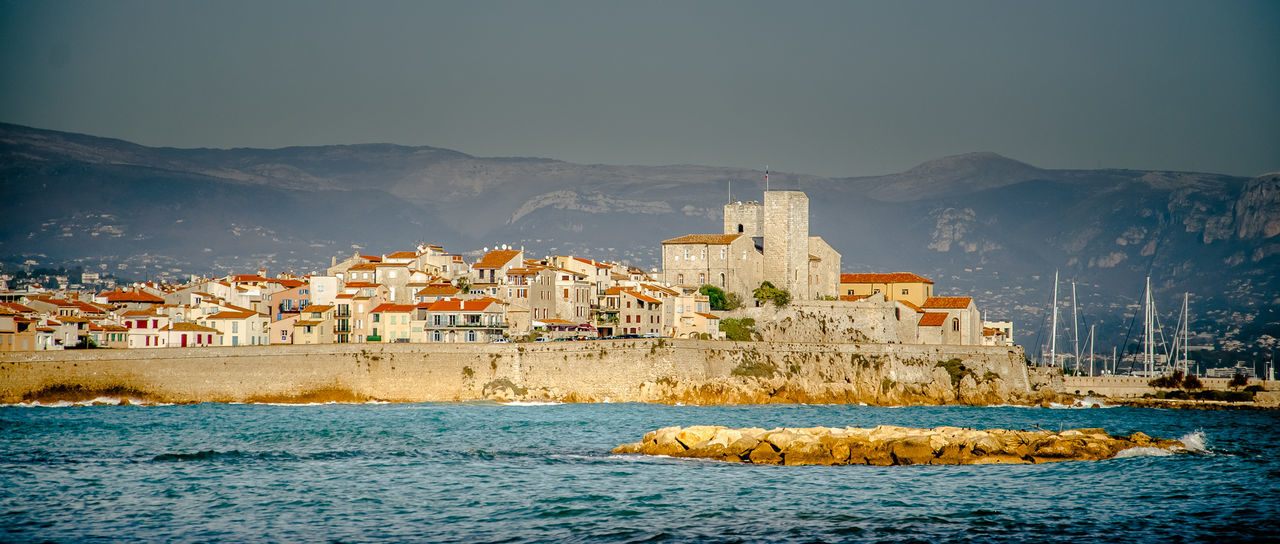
665	370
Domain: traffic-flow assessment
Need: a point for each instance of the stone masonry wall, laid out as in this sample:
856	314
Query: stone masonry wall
664	370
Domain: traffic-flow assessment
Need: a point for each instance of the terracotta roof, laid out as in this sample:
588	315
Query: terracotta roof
554	321
708	316
645	298
131	296
918	309
242	278
853	298
715	239
455	305
371	258
233	314
391	307
988	331
895	277
318	308
613	291
308	323
437	290
359	284
403	255
949	303
497	258
14	306
364	266
933	319
291	284
660	289
188	327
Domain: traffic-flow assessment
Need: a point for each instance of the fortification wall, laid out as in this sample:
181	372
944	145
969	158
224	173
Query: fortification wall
664	370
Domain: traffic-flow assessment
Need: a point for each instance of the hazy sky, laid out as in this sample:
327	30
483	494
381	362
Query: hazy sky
831	88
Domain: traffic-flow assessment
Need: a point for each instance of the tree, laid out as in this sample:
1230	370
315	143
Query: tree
768	293
732	301
1192	383
1238	381
715	295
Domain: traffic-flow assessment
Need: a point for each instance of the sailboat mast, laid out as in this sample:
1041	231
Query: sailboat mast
1147	363
1075	326
1186	330
1053	327
1090	350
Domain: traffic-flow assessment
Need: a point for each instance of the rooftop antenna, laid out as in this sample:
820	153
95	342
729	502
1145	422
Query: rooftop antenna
766	177
730	191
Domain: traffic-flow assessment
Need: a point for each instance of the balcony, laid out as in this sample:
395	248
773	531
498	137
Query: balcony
342	311
373	338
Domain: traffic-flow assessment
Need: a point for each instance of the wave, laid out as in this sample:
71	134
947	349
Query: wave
531	403
1195	441
96	401
1143	451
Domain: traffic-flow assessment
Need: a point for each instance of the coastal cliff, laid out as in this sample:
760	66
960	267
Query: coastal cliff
659	370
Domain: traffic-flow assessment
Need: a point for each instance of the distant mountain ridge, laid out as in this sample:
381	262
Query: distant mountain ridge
976	223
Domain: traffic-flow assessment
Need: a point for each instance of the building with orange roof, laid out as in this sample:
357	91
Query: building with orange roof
963	322
461	321
903	286
639	314
314	325
492	268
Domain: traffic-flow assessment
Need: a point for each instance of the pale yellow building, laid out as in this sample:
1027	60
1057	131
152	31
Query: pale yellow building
900	286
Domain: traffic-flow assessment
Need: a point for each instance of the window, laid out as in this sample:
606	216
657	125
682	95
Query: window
702	278
686	253
905	291
471	336
235	327
897	314
436	336
739	227
955	323
704	253
723	251
722	279
875	291
680	279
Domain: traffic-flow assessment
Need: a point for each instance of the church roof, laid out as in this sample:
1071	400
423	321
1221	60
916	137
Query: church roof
713	239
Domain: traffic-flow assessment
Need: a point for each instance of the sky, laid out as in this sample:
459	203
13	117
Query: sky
840	88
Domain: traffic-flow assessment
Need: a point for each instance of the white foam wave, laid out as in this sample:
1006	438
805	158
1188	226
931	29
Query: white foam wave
97	401
1195	441
531	403
1143	451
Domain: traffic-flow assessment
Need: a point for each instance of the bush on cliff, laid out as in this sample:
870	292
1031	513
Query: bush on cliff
768	293
719	299
957	370
741	330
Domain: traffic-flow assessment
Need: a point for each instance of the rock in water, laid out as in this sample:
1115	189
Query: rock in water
888	445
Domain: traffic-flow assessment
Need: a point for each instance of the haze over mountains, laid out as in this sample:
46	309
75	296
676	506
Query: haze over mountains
978	223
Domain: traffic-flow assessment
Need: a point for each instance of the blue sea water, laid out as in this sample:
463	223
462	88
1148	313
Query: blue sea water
484	472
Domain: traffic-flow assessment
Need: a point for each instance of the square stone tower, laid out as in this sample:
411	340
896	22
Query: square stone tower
745	218
786	241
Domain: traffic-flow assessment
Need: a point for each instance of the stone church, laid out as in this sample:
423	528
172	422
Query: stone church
768	242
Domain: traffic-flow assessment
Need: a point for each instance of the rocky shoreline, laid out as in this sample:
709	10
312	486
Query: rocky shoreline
889	445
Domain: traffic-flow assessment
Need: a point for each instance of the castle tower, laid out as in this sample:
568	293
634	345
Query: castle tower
744	218
786	241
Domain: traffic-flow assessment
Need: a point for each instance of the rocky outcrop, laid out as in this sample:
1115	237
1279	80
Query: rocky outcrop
889	445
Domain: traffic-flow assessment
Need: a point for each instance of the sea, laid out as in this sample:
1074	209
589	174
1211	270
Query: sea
539	472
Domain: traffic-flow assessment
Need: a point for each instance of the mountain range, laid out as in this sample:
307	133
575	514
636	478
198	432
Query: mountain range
978	224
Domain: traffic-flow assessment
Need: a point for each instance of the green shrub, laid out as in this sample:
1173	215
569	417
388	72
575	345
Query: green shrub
742	330
768	293
957	370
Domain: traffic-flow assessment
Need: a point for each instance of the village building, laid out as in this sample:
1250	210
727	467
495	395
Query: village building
760	243
903	286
